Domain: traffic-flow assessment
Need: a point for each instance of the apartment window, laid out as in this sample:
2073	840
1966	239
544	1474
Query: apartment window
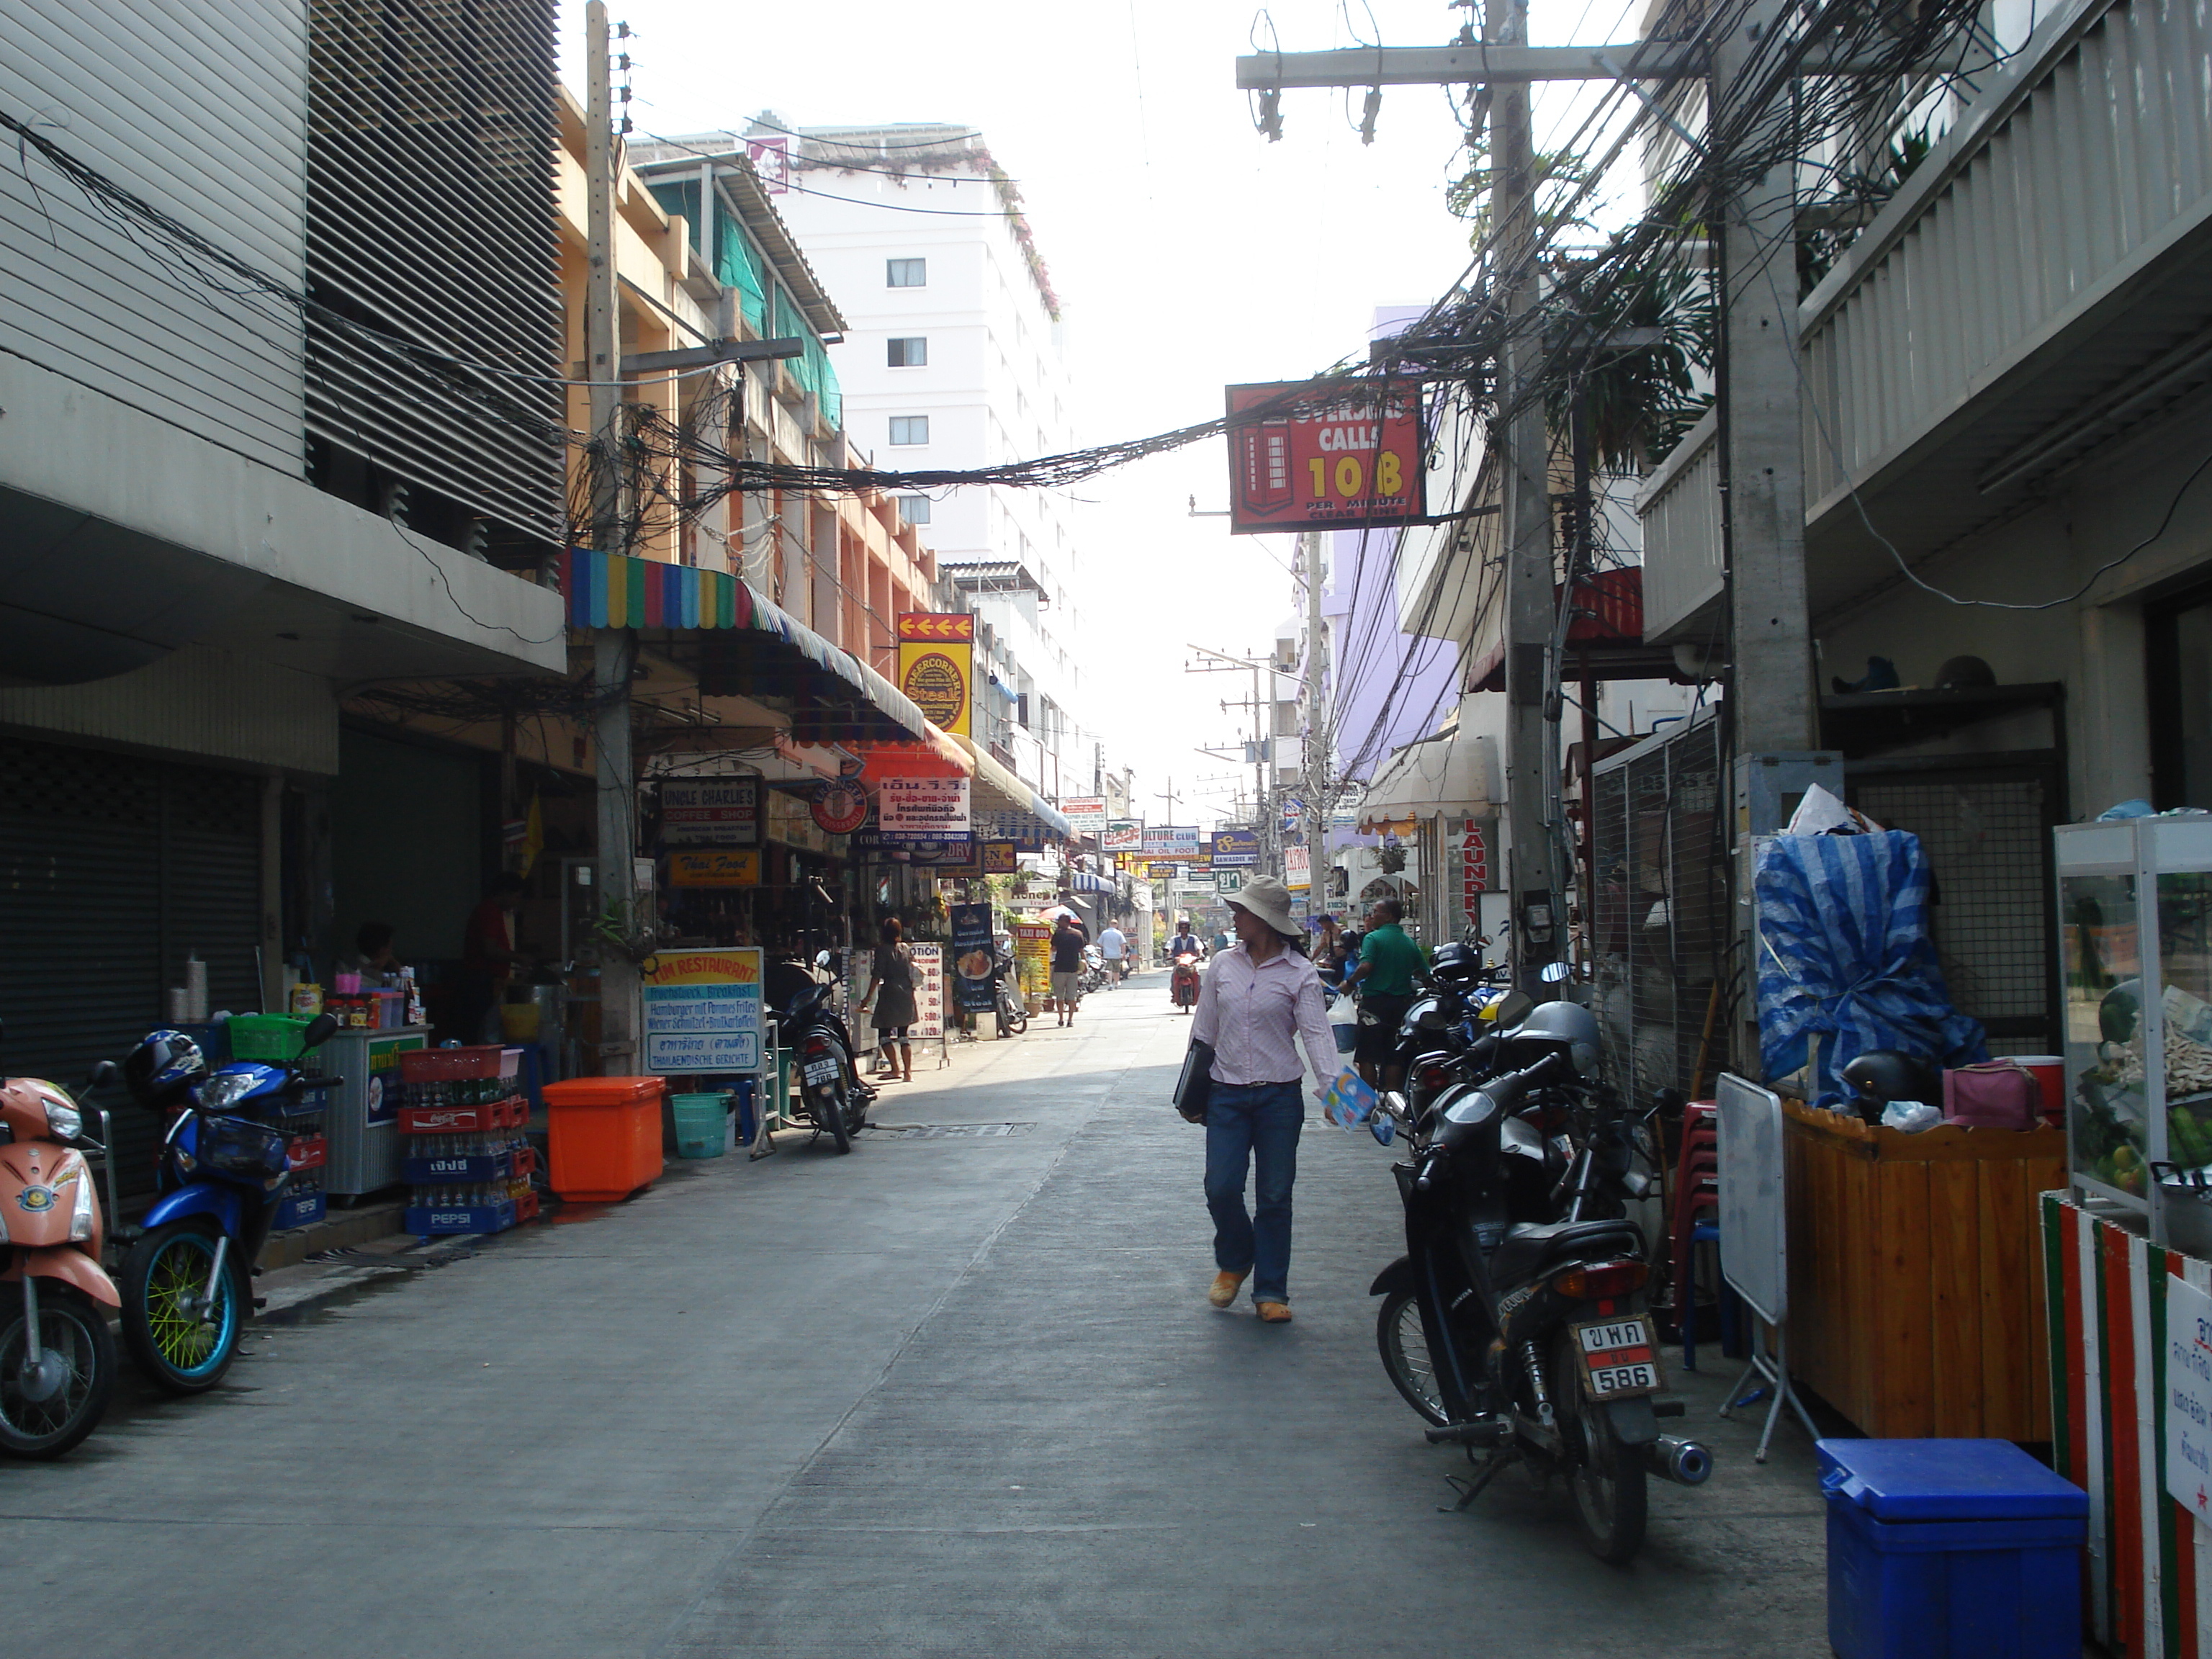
906	273
915	509
909	429
912	352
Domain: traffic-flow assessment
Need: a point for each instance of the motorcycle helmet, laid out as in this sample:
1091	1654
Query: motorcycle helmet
1566	1024
1882	1075
165	1067
1454	964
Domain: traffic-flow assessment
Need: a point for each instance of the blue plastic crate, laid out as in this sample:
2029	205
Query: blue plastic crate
427	1222
1938	1548
299	1210
466	1171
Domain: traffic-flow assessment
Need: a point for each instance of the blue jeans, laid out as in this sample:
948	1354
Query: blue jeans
1258	1124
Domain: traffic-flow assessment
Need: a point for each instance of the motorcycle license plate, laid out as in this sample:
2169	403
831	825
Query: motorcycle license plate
1619	1358
821	1073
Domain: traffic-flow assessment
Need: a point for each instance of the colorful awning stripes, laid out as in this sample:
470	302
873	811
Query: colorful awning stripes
612	590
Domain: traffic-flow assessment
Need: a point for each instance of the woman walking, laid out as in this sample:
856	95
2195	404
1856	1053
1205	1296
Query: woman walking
1258	995
892	974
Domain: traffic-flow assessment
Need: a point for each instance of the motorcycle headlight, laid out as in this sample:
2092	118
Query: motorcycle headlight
81	1217
221	1092
63	1122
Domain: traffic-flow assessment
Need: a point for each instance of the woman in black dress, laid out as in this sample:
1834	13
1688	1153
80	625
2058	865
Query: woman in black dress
892	976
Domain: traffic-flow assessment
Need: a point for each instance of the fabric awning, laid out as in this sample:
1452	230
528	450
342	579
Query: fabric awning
1084	882
739	642
1449	773
998	789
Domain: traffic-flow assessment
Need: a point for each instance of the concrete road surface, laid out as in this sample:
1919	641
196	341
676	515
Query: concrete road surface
958	1394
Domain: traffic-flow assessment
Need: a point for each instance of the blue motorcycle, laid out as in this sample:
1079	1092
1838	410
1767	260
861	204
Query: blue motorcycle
186	1282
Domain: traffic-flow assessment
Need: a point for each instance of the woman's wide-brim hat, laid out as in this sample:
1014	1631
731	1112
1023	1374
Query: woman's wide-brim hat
1269	900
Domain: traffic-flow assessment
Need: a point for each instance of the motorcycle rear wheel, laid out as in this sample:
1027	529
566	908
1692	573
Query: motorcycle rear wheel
69	1327
183	1354
833	1115
1608	1479
1405	1347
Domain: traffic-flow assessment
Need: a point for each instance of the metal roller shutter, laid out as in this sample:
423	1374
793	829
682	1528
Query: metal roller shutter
98	908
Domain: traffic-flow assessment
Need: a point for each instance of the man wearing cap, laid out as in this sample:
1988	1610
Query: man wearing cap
1258	995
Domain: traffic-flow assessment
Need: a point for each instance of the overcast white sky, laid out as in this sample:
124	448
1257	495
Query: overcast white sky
1189	253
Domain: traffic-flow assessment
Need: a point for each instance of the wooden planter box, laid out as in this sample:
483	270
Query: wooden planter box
1916	1288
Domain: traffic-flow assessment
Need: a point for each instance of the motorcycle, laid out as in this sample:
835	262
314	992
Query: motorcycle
1182	985
1515	1324
222	1174
1005	991
57	1358
830	1084
1095	977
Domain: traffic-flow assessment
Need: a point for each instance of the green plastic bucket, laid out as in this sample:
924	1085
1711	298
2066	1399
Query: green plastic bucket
702	1125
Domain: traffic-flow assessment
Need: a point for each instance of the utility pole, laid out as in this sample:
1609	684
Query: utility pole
614	651
1316	768
1263	733
1530	606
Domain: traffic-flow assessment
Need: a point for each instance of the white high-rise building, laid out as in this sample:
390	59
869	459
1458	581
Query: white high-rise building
952	359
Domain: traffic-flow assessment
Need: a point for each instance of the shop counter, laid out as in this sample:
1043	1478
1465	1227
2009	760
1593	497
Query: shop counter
603	1135
1915	1298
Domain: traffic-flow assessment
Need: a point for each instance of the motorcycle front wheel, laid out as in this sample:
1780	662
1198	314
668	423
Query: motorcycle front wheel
44	1416
1406	1357
1607	1479
1013	1019
181	1339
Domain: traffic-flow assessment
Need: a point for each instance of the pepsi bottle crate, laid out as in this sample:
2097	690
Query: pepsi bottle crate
299	1209
464	1167
429	1220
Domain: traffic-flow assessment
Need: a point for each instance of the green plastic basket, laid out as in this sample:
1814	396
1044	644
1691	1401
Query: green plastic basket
702	1124
268	1036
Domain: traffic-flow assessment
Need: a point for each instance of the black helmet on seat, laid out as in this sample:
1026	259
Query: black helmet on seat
163	1069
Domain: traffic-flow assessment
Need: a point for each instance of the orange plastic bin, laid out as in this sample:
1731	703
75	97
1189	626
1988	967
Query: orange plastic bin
604	1134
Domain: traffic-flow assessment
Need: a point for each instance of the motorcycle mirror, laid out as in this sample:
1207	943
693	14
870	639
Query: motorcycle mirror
821	959
1555	973
318	1032
102	1074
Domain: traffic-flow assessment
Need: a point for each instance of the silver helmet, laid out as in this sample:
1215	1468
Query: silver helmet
1568	1025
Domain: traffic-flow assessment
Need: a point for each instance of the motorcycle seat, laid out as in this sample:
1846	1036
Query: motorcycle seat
1531	1249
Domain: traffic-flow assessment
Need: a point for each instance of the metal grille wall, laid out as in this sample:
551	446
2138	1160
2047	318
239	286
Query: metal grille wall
1986	832
112	871
1658	908
431	219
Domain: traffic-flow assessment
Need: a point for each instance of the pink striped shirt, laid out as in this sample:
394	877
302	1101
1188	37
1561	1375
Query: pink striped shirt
1249	1011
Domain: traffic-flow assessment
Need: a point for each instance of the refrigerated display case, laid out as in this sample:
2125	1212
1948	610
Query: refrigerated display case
364	1109
2135	944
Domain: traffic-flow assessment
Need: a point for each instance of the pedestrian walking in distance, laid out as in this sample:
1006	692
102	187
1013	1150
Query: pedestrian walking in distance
1258	995
1067	942
890	988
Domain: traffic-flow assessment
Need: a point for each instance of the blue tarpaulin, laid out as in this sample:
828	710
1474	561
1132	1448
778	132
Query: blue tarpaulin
1845	954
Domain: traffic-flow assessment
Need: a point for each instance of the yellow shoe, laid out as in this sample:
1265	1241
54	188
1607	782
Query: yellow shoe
1275	1313
1226	1286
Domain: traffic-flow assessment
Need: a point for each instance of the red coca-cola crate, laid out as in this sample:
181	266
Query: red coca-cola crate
309	1152
451	1065
453	1120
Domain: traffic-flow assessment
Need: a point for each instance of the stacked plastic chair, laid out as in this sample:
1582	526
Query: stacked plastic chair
1694	1205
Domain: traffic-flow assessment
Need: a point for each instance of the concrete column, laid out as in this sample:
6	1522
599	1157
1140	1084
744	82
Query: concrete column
614	651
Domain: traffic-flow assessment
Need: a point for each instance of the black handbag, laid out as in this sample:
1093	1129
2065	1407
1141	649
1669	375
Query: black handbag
1194	1087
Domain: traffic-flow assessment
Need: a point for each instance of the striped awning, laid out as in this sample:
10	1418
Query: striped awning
612	590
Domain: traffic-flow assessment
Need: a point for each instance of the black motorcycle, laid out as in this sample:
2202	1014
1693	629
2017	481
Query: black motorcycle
1007	996
1516	1322
830	1082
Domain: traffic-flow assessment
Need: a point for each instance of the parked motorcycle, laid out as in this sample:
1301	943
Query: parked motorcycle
1095	977
57	1358
187	1280
1006	994
1515	1324
830	1084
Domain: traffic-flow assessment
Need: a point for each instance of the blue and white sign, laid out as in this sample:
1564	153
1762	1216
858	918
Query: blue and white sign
2188	1397
1235	849
702	1012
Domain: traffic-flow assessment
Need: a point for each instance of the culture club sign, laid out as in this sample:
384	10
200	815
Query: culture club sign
937	666
1347	458
1165	841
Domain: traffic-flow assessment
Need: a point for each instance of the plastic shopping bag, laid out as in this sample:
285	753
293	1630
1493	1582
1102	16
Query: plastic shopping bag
1347	1102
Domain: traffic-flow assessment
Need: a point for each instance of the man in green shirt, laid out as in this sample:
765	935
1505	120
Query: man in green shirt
1390	966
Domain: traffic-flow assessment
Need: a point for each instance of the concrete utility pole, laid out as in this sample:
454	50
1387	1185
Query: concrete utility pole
1773	703
1316	769
1530	607
1263	726
614	651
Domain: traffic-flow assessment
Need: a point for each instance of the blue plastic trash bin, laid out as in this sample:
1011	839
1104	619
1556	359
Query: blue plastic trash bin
1938	1548
748	1093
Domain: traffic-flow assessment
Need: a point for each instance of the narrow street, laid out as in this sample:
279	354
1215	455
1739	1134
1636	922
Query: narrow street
959	1393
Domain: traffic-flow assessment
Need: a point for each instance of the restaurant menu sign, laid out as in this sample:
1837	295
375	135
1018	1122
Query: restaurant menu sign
1342	458
710	812
928	991
922	809
974	955
702	1011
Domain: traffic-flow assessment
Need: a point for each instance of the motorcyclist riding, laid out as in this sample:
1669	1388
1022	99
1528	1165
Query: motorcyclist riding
1185	951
